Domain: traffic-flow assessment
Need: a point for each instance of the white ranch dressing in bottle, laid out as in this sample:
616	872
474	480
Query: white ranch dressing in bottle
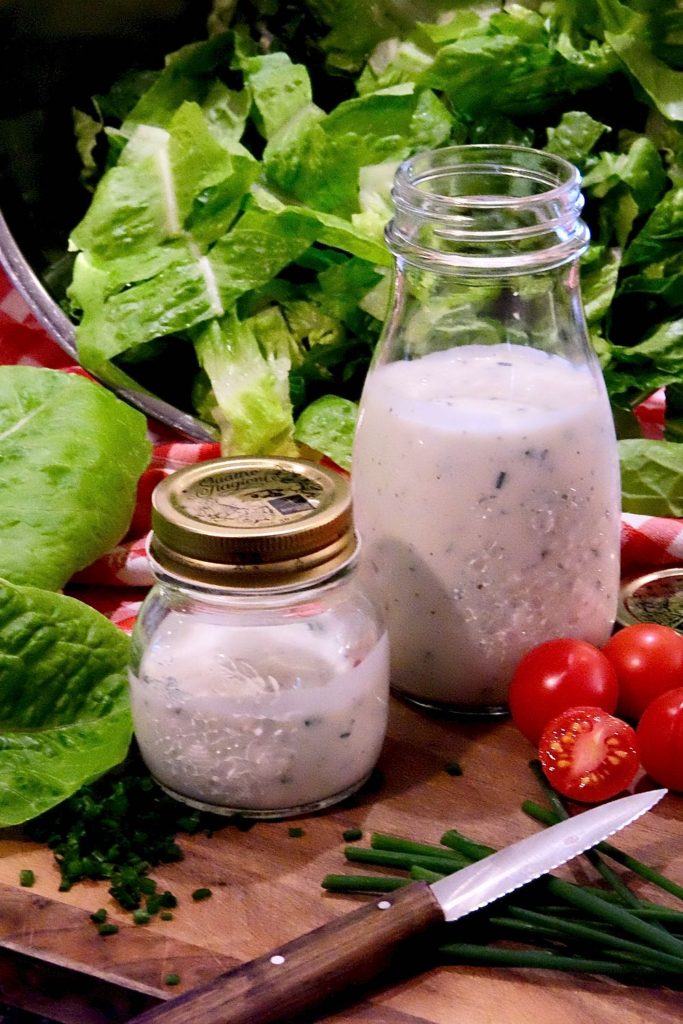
485	470
259	673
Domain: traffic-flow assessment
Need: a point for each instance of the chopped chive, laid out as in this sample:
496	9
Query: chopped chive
166	915
27	878
201	894
350	835
141	917
107	928
172	979
99	916
295	832
453	768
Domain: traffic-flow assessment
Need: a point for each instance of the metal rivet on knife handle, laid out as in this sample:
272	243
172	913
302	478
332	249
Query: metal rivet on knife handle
348	952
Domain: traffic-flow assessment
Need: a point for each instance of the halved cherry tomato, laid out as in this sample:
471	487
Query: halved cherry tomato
588	755
648	660
660	738
556	675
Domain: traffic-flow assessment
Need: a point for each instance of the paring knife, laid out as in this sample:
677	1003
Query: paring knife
353	949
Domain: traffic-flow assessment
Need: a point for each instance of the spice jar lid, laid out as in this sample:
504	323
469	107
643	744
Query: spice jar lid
252	522
655	597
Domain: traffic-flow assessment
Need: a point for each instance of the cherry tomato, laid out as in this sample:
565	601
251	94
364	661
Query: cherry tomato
660	738
556	675
588	755
648	660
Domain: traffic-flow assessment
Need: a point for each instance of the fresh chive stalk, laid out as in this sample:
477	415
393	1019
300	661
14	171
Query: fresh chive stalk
648	934
491	956
395	859
381	841
601	938
593	856
548	817
629	935
363	883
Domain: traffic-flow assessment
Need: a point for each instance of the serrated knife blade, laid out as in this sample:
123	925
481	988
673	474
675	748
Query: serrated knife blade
476	886
354	948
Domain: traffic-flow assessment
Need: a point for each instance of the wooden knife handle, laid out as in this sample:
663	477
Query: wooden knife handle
348	951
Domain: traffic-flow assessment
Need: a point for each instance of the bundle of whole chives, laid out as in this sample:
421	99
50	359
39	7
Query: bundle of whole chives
625	937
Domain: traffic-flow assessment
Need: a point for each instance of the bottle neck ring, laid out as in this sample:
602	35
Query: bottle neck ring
487	211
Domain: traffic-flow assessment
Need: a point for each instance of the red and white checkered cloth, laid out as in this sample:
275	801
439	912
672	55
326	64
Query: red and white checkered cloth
117	583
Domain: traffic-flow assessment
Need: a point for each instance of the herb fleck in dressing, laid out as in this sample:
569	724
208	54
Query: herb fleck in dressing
512	452
286	719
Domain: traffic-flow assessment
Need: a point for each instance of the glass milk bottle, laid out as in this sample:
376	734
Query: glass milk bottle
485	471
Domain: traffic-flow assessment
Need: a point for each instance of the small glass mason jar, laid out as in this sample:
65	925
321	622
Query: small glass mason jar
259	673
485	469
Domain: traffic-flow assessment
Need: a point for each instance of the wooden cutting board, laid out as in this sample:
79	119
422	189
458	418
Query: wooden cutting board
266	890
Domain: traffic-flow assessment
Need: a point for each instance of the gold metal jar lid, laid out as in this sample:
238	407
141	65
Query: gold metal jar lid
655	597
252	522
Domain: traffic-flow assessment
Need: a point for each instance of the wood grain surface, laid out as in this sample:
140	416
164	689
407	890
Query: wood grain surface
266	891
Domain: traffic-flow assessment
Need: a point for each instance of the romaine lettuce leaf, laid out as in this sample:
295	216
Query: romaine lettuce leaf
64	711
317	159
267	166
249	387
71	454
651	477
356	26
257	248
328	425
575	136
279	89
517	57
628	33
181	293
662	234
190	74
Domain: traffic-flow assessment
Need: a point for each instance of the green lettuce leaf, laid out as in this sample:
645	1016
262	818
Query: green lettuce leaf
71	454
575	136
249	396
662	234
181	293
599	276
628	33
517	57
190	74
257	248
279	90
64	712
328	425
356	26
651	477
347	235
316	159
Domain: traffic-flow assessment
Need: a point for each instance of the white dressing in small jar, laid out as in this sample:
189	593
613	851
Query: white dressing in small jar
260	671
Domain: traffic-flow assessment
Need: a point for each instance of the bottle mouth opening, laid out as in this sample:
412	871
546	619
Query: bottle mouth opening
463	206
484	176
